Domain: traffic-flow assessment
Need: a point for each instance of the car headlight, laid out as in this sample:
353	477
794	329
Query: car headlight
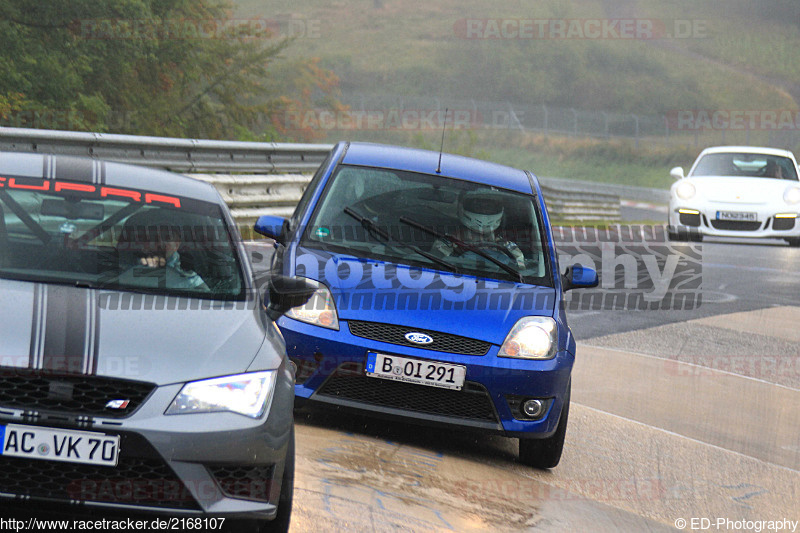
685	190
244	394
318	310
531	337
792	195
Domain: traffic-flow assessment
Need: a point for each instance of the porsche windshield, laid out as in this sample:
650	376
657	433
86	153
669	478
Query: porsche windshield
69	232
431	221
746	165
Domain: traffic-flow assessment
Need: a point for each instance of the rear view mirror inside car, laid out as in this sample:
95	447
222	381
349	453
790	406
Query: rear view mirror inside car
72	210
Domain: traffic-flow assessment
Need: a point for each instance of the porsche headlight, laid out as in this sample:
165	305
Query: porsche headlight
244	394
685	190
531	338
792	195
319	310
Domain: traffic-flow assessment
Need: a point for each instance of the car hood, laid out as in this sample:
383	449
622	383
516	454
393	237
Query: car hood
377	291
64	329
738	190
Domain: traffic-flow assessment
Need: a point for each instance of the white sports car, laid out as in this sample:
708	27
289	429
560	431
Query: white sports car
737	191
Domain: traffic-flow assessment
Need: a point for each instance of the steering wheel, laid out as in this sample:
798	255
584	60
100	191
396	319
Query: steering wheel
499	247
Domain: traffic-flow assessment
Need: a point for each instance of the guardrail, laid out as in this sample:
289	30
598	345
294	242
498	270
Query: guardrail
254	178
627	192
569	205
179	155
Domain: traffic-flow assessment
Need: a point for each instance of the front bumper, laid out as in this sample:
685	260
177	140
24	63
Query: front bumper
215	464
331	372
703	219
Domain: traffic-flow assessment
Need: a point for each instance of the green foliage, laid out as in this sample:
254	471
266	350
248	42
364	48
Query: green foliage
157	67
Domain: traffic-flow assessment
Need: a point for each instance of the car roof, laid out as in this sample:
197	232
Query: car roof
747	150
427	161
90	170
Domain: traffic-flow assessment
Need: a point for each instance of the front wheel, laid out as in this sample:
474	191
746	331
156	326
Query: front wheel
793	241
546	453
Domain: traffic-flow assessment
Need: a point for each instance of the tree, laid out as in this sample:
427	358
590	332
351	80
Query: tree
156	67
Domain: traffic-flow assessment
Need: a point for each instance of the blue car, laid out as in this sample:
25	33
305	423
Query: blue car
438	295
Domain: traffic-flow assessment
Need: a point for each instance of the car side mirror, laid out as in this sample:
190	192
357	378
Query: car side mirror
286	292
578	276
677	173
276	228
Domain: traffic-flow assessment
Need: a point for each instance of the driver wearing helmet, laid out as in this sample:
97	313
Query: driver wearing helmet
480	214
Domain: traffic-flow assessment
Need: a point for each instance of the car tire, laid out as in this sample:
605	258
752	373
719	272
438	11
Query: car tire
793	241
279	524
546	453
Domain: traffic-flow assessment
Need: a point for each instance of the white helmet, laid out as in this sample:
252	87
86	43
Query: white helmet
481	211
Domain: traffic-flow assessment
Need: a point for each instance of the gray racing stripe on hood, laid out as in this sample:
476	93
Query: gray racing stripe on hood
38	325
67	314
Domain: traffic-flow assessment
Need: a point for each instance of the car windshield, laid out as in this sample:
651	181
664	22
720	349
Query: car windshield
431	221
746	165
60	231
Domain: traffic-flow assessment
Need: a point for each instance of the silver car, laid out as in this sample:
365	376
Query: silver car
140	369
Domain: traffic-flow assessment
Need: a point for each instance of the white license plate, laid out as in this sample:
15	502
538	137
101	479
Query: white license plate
737	215
51	444
431	373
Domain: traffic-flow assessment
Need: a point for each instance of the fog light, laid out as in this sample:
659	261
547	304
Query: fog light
533	408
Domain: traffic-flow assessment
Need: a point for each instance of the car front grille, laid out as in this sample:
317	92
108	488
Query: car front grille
442	342
348	382
81	395
783	224
245	482
690	219
736	225
140	478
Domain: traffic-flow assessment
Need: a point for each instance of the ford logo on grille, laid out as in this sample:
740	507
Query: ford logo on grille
418	338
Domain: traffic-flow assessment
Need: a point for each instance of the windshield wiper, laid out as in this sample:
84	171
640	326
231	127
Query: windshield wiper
378	232
464	246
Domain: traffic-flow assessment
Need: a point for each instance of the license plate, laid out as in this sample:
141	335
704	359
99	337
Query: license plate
431	373
33	442
737	215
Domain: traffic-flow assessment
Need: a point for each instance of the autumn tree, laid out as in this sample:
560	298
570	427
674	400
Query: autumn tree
156	67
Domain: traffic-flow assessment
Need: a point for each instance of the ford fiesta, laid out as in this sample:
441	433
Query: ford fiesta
438	298
138	370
